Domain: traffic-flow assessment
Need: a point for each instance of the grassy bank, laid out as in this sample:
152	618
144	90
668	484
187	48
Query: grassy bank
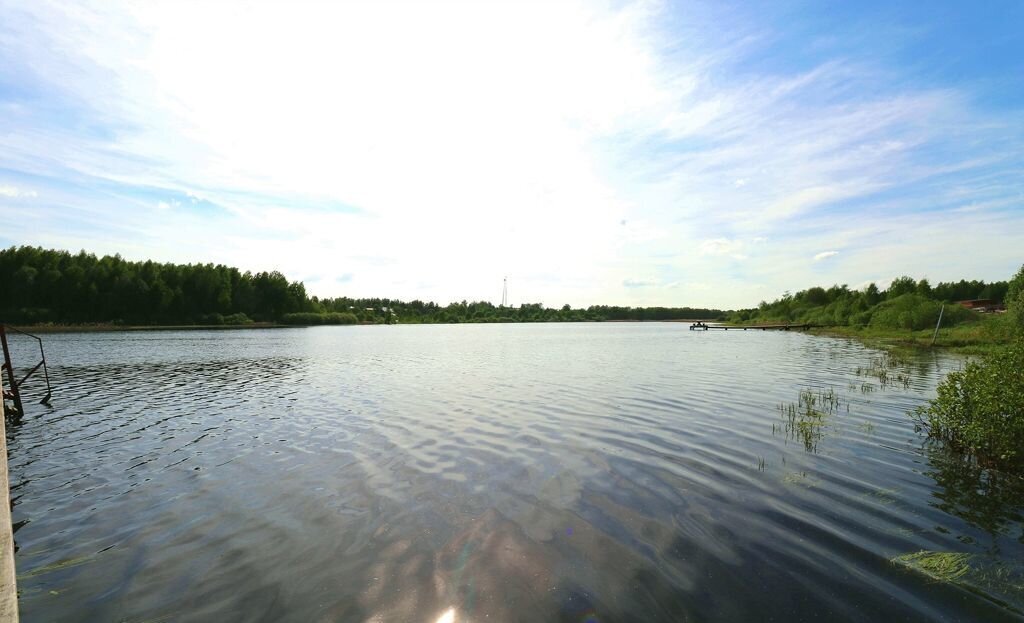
981	336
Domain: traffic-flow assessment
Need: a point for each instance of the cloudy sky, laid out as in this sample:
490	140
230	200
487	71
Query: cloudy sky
681	153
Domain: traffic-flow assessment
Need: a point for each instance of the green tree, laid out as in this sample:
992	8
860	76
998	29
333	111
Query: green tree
900	286
1015	299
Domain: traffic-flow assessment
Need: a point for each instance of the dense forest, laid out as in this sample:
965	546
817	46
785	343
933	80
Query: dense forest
906	304
46	286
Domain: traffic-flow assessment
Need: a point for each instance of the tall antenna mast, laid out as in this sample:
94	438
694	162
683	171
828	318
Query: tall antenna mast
504	292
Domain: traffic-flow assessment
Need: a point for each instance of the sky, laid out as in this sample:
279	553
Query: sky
706	154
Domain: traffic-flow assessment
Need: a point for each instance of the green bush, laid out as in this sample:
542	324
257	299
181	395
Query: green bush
980	410
310	318
916	312
239	318
1015	299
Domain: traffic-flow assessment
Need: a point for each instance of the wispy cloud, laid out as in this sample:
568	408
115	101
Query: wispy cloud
824	255
720	246
625	147
13	192
642	282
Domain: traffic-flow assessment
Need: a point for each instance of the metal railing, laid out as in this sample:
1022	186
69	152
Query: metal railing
14	393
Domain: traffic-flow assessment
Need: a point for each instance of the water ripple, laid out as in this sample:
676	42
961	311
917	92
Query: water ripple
589	472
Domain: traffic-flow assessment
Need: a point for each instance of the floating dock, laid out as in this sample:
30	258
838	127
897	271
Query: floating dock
8	586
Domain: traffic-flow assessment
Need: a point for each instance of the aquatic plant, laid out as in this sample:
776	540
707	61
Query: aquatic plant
940	566
999	579
800	478
805	419
882	496
889	368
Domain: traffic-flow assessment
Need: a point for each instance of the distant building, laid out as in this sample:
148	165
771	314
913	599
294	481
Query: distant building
983	306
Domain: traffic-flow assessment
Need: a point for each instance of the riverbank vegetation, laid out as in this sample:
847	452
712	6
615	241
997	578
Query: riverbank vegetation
980	410
904	314
57	288
907	304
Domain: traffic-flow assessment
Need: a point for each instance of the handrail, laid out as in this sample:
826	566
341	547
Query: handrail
15	384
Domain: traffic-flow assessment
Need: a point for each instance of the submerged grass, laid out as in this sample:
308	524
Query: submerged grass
805	419
940	566
882	496
890	368
802	479
997	579
57	566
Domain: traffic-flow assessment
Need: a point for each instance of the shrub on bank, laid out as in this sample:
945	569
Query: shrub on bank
980	409
310	318
238	318
916	312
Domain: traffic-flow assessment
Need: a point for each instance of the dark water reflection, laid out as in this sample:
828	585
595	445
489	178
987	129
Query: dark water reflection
611	472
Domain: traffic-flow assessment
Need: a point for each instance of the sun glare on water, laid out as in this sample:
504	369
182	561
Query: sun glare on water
448	616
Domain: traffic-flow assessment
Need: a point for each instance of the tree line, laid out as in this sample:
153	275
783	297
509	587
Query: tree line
413	312
50	286
40	285
907	303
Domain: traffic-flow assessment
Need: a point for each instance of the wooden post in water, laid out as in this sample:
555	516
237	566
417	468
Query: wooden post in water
8	586
937	324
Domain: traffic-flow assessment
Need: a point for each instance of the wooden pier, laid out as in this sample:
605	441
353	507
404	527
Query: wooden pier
8	586
753	327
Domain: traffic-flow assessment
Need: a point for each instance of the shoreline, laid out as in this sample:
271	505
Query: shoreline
102	327
968	340
109	328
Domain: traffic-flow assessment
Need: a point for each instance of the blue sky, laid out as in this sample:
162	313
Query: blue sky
677	153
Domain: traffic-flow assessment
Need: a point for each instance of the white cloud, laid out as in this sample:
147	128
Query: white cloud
824	255
720	246
639	282
16	193
606	147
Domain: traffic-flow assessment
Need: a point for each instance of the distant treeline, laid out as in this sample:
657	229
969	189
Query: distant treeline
46	286
39	285
906	304
386	310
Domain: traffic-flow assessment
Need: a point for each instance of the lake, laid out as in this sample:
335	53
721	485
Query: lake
554	472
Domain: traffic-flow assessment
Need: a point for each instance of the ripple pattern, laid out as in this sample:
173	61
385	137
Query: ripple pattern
579	472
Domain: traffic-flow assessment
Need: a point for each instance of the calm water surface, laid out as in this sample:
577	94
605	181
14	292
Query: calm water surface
585	473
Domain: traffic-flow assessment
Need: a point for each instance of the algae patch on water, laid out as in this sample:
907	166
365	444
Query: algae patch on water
940	566
1000	580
